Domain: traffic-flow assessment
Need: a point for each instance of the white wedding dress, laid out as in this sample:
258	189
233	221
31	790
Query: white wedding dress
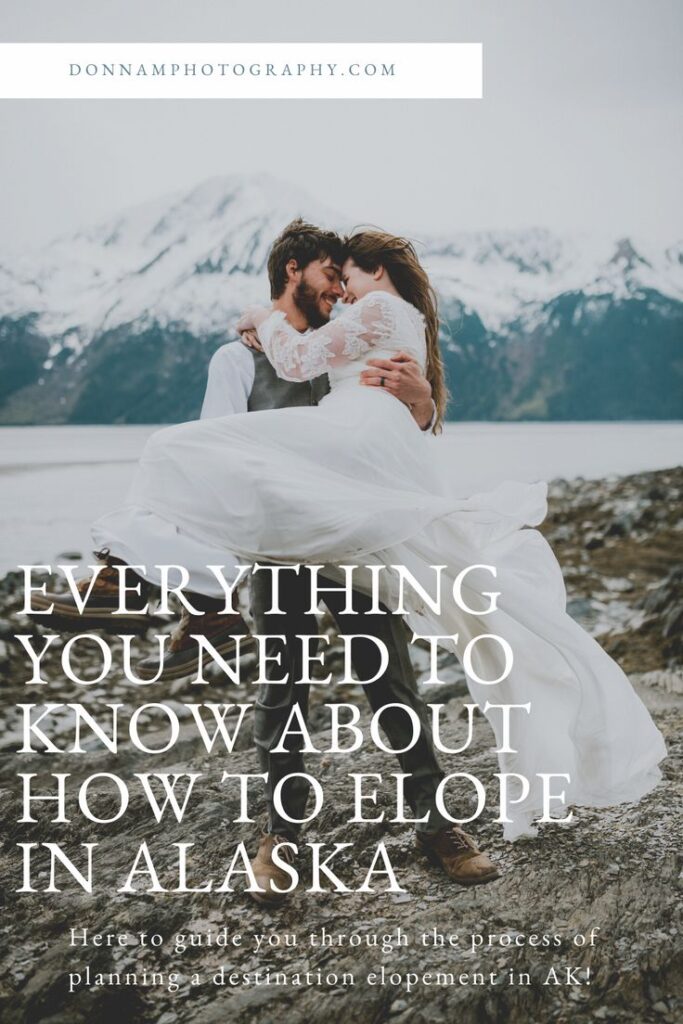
352	481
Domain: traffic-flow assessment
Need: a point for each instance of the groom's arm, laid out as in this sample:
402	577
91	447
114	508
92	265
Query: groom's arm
402	376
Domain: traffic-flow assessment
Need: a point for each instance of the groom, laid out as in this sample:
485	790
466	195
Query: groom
304	270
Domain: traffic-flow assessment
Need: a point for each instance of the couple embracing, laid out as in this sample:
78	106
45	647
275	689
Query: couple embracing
312	449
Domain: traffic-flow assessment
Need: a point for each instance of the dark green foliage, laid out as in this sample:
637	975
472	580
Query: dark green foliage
585	358
589	360
22	354
156	376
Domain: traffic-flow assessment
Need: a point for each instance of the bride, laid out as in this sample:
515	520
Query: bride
353	481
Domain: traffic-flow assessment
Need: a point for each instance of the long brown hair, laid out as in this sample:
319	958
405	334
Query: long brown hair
371	249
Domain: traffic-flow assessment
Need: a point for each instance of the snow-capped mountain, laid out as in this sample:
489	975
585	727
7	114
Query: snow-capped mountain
117	322
509	276
190	258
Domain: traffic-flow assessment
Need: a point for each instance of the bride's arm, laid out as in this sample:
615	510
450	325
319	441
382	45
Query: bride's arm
368	323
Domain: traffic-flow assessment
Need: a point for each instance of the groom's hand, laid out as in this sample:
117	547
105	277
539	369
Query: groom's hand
402	376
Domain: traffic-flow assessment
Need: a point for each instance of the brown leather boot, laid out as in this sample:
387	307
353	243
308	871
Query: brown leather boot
457	853
59	609
268	874
181	657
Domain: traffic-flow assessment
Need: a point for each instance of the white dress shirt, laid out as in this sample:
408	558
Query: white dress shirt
231	378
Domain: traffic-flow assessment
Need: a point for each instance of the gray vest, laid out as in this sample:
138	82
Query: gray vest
271	392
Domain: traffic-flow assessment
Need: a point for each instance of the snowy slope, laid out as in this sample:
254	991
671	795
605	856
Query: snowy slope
189	258
197	257
116	323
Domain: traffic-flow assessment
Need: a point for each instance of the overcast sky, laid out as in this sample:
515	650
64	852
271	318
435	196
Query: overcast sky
579	128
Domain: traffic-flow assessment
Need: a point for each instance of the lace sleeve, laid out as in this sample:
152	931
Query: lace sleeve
367	323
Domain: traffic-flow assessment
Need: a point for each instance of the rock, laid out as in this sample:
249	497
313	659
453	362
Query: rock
398	1006
668	681
618	585
668	591
673	623
442	693
582	610
611	868
619	527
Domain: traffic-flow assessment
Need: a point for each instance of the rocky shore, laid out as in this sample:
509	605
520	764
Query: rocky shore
609	877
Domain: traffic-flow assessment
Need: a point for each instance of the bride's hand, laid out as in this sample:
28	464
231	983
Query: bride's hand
252	318
250	339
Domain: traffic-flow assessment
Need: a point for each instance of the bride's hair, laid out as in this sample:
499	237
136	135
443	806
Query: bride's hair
372	249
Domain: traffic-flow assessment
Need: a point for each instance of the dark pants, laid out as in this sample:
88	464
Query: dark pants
397	686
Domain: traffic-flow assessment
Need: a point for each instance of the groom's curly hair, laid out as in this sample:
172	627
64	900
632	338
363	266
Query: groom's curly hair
304	243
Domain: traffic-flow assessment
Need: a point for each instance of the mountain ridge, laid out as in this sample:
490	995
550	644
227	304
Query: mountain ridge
147	295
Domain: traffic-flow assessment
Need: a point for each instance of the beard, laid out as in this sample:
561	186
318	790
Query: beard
306	300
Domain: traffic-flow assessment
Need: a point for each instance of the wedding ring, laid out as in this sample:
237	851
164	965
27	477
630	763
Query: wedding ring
381	381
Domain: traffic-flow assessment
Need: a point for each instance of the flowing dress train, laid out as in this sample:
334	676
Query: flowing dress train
352	481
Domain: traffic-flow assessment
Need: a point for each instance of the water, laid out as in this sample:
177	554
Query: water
54	481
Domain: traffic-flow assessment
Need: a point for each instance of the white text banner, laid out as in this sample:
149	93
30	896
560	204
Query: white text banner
241	71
